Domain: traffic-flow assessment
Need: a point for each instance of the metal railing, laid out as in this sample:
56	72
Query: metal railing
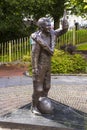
73	37
15	49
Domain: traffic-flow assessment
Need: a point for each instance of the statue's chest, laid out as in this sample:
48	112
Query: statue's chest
47	39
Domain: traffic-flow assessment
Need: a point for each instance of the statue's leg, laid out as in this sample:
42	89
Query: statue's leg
47	82
37	89
37	92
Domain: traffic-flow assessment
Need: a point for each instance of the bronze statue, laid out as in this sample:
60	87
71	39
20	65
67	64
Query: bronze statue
43	43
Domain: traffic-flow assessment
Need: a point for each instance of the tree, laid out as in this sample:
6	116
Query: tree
12	13
11	25
40	8
78	7
56	10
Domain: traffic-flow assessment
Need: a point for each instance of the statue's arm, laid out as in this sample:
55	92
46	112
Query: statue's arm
64	29
35	57
42	43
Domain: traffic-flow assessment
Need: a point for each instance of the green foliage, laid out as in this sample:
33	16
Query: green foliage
12	13
82	46
79	64
70	48
11	25
77	7
27	58
65	63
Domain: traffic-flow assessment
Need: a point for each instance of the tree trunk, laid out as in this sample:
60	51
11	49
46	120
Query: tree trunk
56	23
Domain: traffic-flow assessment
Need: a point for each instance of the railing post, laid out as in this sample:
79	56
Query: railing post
2	55
74	37
9	51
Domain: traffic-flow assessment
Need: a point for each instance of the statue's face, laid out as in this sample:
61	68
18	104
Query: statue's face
44	24
47	26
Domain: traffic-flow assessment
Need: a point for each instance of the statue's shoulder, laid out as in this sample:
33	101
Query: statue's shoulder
34	35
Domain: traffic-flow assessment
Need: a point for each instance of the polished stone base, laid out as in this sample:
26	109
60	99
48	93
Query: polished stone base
63	118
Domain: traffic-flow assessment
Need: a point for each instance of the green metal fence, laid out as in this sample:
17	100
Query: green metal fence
15	50
73	37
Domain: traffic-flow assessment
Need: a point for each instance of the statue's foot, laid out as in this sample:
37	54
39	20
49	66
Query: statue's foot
35	111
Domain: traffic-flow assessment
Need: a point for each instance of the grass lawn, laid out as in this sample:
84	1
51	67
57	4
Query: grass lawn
82	46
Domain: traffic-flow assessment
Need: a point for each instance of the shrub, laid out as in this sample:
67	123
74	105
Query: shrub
79	64
65	63
70	48
27	58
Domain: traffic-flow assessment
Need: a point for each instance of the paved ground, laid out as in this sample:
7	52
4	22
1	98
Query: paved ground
56	80
17	91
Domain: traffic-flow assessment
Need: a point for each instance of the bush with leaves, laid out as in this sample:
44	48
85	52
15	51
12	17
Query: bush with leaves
67	64
70	48
79	64
63	63
27	58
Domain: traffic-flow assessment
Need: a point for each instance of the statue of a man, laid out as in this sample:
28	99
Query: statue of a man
43	43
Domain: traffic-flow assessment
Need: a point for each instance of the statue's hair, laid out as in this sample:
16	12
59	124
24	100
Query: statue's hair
42	21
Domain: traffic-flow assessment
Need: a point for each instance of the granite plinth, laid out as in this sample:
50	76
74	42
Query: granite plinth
63	118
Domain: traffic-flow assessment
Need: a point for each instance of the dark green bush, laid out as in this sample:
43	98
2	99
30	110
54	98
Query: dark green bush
65	63
79	64
27	58
70	48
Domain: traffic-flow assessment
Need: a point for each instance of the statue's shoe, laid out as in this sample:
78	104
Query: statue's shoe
35	111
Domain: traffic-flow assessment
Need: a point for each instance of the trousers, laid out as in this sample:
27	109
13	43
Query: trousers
41	83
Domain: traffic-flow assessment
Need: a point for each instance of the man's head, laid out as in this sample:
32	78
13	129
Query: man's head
44	24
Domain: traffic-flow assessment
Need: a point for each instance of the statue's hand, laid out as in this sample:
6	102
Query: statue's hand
48	49
38	39
41	42
64	23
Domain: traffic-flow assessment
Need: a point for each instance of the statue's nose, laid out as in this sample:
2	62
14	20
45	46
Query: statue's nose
48	27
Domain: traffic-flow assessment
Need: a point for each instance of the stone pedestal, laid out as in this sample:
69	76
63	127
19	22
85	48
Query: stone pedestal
63	118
